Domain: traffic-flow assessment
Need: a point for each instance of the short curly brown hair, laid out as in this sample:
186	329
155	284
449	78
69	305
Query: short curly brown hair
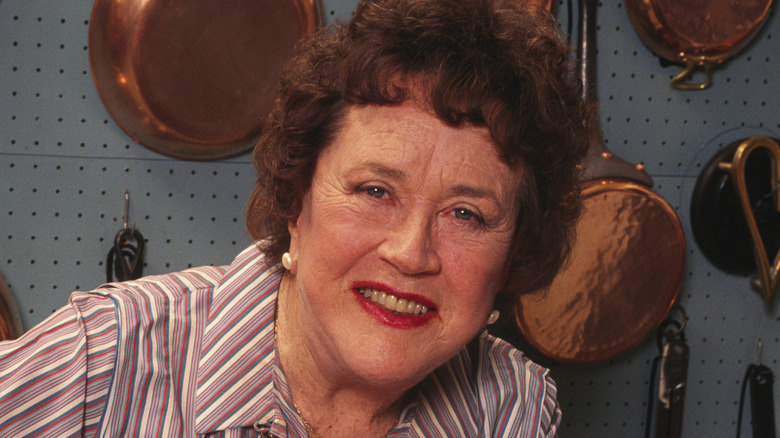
497	63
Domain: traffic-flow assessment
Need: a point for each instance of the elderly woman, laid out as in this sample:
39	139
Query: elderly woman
417	173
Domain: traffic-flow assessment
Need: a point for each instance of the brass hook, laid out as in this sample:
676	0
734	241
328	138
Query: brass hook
126	215
768	275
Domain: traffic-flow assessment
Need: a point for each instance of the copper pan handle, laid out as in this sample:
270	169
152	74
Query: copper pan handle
691	62
768	275
600	163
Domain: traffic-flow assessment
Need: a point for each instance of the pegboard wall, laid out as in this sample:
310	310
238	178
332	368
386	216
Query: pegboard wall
64	164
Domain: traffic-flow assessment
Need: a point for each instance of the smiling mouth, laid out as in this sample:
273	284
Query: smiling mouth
392	303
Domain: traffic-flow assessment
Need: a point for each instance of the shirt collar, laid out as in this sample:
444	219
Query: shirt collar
236	378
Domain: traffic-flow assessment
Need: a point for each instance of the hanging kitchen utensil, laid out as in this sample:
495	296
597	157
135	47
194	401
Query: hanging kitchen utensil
194	79
696	33
10	320
735	210
125	258
627	263
671	365
762	410
769	276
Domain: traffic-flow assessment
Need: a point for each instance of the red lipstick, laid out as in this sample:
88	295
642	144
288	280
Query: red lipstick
391	318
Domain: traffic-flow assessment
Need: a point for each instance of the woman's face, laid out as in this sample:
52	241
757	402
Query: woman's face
405	206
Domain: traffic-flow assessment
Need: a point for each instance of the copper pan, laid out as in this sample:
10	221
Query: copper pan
627	263
622	279
194	79
546	4
696	33
10	320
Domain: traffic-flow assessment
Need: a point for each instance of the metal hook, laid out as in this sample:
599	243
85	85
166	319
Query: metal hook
126	215
666	329
682	324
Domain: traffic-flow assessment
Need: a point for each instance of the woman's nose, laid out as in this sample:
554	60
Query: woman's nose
410	245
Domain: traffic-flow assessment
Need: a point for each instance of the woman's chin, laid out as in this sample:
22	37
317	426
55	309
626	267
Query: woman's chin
379	368
382	357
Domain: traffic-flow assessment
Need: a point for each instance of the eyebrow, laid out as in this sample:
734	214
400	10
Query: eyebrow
381	169
475	192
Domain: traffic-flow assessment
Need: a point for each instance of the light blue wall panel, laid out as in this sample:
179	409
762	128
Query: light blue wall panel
64	164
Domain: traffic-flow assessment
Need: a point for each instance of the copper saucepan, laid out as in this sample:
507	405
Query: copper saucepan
194	79
701	33
627	263
10	320
546	4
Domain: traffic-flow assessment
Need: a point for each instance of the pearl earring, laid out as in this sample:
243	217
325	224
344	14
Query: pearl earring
287	261
493	317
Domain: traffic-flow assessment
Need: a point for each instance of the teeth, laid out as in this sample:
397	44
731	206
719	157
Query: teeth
393	303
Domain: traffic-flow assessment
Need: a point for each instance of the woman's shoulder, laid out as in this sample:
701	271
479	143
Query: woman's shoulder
169	286
500	367
191	280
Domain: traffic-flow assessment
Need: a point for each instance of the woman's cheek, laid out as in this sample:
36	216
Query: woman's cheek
351	222
477	258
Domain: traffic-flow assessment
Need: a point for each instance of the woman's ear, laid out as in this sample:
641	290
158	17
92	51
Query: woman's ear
292	228
505	273
297	227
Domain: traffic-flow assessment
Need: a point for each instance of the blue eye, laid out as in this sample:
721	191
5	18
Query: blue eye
376	192
462	213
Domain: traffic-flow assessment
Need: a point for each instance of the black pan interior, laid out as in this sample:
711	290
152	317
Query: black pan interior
717	220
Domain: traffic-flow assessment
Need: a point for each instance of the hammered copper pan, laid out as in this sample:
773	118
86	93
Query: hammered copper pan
546	4
696	33
10	320
627	263
194	79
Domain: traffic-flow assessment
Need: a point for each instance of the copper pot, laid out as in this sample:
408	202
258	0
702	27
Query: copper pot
10	320
696	33
547	4
627	263
194	79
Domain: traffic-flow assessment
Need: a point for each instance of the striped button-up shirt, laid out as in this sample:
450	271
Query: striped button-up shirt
193	354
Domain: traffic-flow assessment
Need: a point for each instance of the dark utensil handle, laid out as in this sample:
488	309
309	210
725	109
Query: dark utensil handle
761	402
671	395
